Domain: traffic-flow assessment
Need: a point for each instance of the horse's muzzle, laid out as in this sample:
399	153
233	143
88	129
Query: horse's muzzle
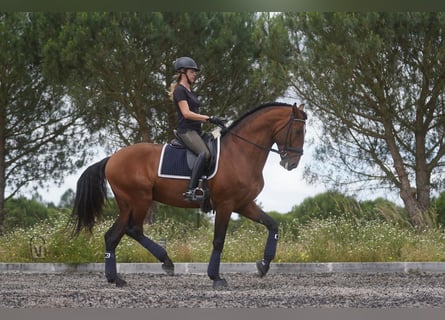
290	164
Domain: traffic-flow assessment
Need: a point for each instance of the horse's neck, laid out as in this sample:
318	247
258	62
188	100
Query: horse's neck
254	139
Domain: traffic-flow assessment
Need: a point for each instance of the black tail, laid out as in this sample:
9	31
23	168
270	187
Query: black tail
90	196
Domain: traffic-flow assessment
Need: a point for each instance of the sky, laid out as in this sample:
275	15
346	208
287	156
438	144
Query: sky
282	189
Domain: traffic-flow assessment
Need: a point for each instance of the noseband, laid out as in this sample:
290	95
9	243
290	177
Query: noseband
287	147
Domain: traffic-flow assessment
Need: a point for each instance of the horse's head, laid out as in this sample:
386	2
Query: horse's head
290	138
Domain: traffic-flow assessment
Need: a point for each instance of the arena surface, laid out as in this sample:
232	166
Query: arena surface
246	290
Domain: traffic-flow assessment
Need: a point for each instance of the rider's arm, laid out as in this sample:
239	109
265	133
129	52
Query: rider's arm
188	114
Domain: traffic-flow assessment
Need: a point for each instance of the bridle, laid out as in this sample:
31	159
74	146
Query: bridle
287	145
284	153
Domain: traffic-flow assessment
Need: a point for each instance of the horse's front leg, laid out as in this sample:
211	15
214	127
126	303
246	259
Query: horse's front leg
253	212
221	222
271	244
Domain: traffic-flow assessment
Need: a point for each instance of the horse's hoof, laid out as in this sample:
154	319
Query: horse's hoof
118	281
168	267
220	283
262	267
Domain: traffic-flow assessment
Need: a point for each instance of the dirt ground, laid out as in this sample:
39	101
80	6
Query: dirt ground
246	290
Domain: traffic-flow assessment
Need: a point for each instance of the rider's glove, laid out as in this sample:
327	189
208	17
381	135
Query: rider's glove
218	121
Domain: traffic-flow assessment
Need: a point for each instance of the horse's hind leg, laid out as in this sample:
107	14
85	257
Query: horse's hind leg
135	230
112	238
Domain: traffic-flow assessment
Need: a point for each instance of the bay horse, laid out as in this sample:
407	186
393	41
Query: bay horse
132	175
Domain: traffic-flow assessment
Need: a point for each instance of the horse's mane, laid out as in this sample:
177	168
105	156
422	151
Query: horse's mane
260	107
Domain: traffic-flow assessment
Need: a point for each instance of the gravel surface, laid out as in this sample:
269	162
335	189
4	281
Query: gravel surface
246	290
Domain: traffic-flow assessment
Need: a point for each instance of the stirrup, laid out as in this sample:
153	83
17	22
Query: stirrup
198	194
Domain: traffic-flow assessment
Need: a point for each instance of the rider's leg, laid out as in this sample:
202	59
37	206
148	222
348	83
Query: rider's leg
197	172
194	142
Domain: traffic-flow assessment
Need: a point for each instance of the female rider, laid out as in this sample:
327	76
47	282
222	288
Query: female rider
190	120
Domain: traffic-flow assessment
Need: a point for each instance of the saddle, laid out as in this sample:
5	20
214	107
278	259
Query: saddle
177	162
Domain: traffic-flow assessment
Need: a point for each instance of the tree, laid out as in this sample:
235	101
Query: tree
23	213
37	123
67	199
376	82
120	67
324	205
439	206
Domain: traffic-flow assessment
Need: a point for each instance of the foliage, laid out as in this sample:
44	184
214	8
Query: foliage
119	66
24	213
334	228
163	212
377	84
67	199
342	239
38	126
66	76
324	205
160	213
374	80
333	204
332	239
439	206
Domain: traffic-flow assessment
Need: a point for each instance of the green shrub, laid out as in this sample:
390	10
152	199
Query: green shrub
341	239
329	240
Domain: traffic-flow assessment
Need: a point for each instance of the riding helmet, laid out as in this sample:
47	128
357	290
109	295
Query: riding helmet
185	63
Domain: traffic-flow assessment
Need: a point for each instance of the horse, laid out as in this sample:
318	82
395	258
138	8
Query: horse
132	174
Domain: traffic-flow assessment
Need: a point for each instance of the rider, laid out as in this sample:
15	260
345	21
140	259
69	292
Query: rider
190	120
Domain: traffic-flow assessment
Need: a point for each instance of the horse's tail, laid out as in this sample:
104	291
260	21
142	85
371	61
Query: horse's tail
90	196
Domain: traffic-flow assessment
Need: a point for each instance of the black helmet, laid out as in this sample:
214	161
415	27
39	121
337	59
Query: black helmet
185	63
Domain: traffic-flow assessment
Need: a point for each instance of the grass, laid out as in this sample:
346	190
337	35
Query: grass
339	239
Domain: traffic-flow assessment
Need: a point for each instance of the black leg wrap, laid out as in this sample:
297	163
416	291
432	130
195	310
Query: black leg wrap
213	267
111	271
154	248
271	244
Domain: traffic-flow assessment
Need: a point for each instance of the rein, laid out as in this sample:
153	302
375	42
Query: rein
286	148
255	144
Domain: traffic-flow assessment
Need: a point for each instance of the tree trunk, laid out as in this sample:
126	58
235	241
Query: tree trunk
2	172
416	200
423	175
415	214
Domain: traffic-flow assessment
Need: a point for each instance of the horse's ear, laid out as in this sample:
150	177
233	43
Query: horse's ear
300	107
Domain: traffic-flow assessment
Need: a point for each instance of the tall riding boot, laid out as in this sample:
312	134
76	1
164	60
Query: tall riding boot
197	172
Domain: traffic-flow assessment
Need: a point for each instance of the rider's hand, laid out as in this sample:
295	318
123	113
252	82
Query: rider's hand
218	121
